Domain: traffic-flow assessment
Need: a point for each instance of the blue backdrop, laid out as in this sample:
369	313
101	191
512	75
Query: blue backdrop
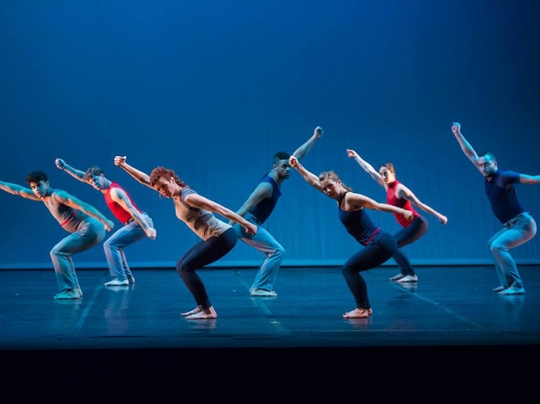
213	89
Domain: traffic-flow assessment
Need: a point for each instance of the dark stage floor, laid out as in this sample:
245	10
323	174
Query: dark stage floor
449	333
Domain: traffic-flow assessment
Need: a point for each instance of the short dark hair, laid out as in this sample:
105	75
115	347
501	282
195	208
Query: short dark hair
489	155
93	171
281	155
36	176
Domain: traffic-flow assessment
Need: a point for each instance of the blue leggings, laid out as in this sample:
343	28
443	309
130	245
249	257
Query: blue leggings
200	255
405	236
369	257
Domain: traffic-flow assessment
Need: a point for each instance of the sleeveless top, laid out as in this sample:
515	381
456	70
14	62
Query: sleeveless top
391	199
359	225
200	221
502	195
118	211
68	217
264	208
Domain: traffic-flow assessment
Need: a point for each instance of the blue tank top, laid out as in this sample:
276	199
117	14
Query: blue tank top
359	225
502	195
264	208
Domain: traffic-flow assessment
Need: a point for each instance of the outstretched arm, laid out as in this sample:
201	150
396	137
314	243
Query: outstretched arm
69	200
198	201
529	179
405	193
141	177
18	190
362	201
465	145
368	168
120	197
77	174
310	178
262	191
301	152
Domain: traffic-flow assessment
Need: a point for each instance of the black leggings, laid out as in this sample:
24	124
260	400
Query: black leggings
405	236
200	255
369	257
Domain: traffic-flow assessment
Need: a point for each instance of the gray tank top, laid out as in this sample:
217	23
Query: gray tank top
201	221
68	217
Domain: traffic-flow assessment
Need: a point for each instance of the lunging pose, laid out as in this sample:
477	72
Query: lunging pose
196	212
85	223
137	224
379	246
258	208
399	195
518	224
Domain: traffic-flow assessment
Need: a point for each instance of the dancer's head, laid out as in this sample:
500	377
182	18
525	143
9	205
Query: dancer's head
332	185
488	164
166	182
281	165
96	177
39	183
387	172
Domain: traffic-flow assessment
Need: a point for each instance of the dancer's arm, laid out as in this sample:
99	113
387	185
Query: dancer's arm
310	178
121	198
403	192
362	201
198	201
529	179
303	150
77	174
465	145
262	191
141	177
368	168
18	190
71	201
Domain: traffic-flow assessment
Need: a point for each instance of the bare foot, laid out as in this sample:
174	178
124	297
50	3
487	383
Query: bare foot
358	313
196	310
206	314
500	288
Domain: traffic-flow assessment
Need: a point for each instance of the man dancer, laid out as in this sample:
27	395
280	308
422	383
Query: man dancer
76	217
519	225
258	208
137	224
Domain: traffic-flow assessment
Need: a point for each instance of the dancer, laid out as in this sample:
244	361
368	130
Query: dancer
258	208
399	195
137	224
379	246
519	225
76	217
196	212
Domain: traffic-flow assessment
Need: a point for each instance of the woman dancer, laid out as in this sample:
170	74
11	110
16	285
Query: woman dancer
379	245
196	212
399	195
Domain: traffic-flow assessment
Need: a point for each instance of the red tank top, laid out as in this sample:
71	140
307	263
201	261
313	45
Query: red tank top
391	199
118	211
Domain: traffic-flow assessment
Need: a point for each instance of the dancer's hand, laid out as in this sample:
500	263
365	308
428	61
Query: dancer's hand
109	225
151	233
407	214
251	228
293	161
318	132
352	154
60	164
456	128
119	160
443	219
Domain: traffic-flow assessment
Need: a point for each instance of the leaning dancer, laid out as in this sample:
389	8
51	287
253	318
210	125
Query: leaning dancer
196	212
519	225
76	217
379	245
257	209
137	224
399	195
